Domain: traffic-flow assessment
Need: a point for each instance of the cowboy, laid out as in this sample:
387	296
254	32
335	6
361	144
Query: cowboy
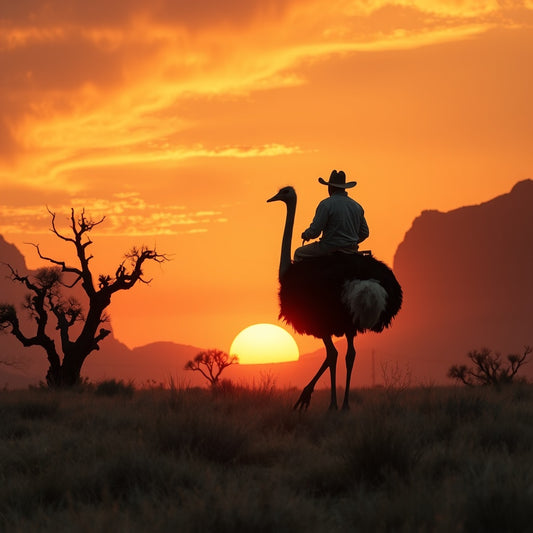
340	219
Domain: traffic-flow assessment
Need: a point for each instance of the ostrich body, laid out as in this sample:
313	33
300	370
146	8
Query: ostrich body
334	295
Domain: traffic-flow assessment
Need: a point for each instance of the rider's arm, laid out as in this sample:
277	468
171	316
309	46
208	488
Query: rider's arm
363	230
318	224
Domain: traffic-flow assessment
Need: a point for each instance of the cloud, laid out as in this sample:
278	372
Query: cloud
105	84
161	152
126	214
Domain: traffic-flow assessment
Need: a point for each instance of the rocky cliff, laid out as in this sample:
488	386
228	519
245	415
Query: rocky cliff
467	276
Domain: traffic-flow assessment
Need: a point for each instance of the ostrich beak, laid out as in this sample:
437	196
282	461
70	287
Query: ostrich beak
274	198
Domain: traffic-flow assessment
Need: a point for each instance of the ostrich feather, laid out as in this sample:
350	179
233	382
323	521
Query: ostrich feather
311	294
366	300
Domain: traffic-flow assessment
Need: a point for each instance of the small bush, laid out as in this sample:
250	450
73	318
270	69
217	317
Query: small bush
488	368
112	387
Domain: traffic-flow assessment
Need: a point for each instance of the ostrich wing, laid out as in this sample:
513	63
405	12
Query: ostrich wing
311	294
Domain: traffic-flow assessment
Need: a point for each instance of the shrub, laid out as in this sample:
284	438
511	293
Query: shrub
211	364
112	387
488	368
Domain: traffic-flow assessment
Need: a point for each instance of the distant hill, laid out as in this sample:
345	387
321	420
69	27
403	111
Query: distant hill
155	363
467	276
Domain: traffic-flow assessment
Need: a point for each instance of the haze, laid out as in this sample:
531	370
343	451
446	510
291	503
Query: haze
177	120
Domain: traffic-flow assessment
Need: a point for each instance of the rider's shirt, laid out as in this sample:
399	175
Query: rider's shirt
341	220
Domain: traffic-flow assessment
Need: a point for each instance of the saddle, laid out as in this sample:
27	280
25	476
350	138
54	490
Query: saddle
350	250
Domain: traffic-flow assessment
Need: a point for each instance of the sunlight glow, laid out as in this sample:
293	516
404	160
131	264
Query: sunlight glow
264	343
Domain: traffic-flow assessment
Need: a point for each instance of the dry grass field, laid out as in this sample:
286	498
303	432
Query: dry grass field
111	458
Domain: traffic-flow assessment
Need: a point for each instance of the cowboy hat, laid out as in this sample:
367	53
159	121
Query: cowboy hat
338	179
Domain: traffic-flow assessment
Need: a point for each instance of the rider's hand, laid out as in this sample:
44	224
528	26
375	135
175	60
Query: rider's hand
304	238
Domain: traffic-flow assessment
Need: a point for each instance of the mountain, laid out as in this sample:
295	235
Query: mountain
154	363
467	276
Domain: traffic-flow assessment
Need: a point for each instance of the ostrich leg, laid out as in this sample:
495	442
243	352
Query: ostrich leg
350	358
331	363
331	357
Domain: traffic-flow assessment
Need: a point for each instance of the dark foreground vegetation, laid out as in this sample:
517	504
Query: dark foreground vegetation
111	458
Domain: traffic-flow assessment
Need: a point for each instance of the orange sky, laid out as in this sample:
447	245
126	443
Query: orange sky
179	119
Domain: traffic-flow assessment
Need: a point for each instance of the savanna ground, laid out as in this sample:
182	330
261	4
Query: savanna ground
111	458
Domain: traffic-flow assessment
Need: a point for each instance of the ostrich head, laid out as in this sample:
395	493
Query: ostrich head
286	195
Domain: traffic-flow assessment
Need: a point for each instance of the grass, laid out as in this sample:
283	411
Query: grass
112	458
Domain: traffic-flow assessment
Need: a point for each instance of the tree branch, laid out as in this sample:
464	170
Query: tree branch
102	334
62	264
124	279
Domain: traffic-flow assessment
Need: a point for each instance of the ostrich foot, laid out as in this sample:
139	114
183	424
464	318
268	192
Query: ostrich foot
304	399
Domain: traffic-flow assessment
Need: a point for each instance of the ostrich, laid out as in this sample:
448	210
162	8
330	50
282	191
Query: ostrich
335	295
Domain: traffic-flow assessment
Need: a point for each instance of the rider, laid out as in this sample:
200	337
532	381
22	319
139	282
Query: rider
340	219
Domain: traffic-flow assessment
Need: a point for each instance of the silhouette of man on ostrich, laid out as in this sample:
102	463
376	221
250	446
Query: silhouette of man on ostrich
340	219
327	292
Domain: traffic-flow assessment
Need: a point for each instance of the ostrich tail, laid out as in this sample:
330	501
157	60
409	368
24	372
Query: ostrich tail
366	300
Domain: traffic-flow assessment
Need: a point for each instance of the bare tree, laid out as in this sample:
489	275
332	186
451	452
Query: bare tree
211	363
488	368
46	303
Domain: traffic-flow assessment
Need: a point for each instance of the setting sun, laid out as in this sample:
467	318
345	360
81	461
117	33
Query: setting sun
264	343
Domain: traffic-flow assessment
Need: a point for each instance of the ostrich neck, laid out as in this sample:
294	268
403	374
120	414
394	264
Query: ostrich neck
285	260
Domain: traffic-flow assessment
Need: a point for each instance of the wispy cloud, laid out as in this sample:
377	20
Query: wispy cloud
159	153
126	214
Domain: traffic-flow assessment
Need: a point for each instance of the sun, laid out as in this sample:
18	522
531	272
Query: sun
264	343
